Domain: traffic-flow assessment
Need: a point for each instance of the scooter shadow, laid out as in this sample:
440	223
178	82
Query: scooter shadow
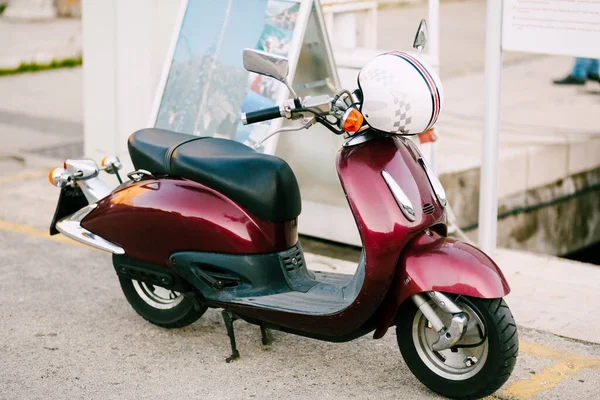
375	367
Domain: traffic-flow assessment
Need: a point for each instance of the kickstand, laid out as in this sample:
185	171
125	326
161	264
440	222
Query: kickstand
267	338
228	318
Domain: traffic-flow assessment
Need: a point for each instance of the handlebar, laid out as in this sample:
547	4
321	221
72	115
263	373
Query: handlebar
263	115
312	109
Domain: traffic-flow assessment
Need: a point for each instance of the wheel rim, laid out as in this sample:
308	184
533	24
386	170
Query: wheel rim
156	296
453	365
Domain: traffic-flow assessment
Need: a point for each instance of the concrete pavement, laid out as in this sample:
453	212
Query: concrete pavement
41	116
549	151
462	35
39	42
71	333
40	113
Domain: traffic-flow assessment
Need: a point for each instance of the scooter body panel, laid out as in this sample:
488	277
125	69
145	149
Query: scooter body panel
434	262
447	265
383	228
154	218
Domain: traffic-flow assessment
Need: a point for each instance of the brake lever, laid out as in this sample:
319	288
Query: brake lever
307	123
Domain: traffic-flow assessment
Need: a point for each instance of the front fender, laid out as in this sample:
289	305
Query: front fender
434	262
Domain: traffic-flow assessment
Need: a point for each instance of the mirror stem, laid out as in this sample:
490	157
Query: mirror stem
293	93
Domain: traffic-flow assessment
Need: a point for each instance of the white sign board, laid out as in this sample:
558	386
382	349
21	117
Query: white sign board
204	87
561	27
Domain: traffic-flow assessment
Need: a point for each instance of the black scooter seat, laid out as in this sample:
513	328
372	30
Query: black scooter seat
263	184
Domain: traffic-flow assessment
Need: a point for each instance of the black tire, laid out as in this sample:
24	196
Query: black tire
187	311
501	352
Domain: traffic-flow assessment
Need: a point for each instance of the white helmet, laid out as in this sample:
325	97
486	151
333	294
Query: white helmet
401	94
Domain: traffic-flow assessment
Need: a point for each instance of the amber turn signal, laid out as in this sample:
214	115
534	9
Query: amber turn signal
352	120
111	164
58	177
51	176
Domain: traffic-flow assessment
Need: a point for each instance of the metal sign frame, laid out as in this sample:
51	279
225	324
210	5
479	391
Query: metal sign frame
294	52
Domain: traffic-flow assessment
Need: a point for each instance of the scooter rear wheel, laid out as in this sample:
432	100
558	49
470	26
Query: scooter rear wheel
160	306
481	362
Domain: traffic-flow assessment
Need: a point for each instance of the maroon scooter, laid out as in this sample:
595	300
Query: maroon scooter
206	222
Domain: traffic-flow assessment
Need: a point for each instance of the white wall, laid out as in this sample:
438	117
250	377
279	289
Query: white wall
125	43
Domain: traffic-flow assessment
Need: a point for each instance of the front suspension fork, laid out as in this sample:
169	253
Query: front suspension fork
450	335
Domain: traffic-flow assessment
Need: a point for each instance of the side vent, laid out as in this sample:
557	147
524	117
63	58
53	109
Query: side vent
294	260
428	208
294	269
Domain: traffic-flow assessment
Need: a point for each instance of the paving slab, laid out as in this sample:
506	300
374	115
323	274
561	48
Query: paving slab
534	115
39	42
553	294
51	95
41	115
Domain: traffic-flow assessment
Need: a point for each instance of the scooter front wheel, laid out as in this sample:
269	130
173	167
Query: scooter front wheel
160	306
478	365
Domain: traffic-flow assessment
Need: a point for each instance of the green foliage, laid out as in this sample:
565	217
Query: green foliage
2	7
35	67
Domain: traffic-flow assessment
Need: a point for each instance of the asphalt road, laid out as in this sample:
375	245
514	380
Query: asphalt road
69	333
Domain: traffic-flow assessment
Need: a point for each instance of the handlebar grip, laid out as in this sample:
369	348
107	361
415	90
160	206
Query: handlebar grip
262	115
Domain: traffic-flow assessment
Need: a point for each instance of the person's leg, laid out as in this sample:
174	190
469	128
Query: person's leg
578	74
581	68
594	70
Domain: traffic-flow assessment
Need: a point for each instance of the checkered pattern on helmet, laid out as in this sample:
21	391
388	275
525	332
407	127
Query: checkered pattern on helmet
403	120
378	75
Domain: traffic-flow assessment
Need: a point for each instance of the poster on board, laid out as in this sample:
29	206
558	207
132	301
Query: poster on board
205	87
560	27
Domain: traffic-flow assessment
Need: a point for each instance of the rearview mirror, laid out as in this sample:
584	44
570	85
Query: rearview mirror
266	64
421	36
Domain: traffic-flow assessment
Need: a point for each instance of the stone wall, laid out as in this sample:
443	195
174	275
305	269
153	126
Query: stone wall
556	219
